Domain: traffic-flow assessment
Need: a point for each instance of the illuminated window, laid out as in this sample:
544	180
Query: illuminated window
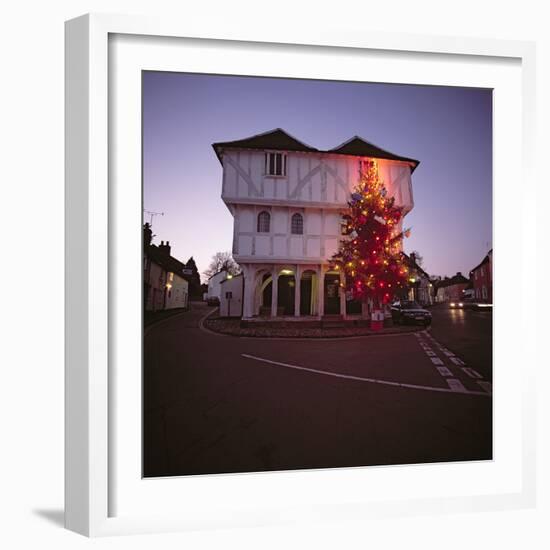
263	222
275	164
297	224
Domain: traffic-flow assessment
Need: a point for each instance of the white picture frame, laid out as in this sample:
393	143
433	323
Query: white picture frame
90	395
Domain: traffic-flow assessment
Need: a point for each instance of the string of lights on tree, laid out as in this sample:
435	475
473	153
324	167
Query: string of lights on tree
370	256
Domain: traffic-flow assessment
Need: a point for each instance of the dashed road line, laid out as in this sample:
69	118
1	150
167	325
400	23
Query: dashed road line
362	379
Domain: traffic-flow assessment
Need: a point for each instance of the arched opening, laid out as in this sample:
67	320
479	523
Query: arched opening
265	294
308	292
286	292
332	293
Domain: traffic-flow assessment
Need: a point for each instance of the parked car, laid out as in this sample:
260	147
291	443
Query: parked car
407	311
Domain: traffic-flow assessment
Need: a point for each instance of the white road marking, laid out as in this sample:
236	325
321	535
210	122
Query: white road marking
436	361
487	386
430	353
361	379
456	385
472	373
457	361
444	371
448	353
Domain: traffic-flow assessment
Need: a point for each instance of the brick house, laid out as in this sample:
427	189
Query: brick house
482	279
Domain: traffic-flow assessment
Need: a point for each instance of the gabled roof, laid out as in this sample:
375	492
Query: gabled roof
413	265
169	263
457	279
483	262
279	140
276	139
359	147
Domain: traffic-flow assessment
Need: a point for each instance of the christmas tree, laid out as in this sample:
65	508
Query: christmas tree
370	255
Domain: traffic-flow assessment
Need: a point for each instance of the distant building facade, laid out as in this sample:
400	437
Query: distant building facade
287	200
164	286
420	284
451	289
482	279
231	296
214	284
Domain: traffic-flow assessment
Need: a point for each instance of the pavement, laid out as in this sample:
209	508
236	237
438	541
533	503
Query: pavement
218	404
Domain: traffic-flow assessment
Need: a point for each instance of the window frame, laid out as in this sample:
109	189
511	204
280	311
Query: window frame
268	213
292	218
267	164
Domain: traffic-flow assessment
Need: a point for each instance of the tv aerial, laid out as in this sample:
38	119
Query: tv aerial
152	214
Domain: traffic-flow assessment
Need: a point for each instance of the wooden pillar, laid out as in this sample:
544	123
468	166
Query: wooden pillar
342	294
297	291
321	292
274	291
249	275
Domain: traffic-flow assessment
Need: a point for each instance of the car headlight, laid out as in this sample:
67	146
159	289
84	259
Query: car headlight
460	304
453	304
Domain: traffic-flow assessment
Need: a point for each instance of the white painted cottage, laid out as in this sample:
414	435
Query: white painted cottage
287	199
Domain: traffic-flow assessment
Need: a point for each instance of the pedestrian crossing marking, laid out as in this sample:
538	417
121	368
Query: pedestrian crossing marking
456	385
436	361
487	386
444	371
457	361
472	373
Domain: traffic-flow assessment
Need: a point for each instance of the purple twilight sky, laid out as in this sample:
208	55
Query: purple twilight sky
448	129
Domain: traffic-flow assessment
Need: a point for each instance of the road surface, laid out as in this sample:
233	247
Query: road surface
217	404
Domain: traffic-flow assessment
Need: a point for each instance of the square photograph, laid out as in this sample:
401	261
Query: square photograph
317	274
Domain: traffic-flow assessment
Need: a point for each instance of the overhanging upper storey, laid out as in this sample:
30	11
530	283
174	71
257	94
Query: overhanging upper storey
275	168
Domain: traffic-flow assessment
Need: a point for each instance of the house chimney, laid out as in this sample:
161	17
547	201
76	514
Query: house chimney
413	257
165	248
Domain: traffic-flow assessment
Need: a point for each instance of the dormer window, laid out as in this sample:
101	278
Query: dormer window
275	164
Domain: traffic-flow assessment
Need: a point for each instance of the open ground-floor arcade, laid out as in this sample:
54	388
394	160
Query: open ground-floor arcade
296	290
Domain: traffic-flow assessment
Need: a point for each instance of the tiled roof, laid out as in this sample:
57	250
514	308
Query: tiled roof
169	263
279	140
483	262
360	147
457	279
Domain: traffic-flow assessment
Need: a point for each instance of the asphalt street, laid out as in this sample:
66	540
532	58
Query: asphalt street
218	404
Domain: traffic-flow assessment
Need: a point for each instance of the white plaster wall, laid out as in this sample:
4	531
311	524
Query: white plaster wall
311	179
319	178
178	295
233	307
